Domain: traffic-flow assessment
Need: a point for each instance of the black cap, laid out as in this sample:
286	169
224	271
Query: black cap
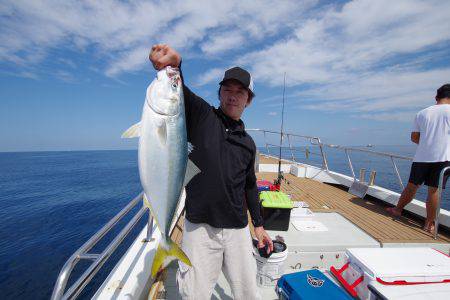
240	75
443	92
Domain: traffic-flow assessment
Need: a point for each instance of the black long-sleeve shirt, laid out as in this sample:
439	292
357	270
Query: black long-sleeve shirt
225	154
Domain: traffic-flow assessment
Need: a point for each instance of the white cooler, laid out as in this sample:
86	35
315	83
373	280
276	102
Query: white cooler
395	273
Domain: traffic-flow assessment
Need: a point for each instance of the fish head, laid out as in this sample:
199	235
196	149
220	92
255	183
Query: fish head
165	92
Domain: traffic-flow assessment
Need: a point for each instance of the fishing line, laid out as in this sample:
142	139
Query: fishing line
280	176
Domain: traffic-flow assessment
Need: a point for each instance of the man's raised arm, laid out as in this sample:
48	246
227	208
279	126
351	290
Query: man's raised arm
161	56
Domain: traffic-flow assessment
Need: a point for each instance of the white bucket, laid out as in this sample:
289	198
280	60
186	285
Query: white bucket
269	269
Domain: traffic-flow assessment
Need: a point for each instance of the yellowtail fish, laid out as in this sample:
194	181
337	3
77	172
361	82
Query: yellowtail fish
164	167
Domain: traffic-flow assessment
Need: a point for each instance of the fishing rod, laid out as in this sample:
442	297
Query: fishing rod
280	174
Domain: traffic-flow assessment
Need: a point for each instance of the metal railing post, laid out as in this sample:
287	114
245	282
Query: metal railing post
350	164
265	141
149	238
362	175
316	141
438	205
397	172
372	177
63	277
290	147
324	158
99	259
86	277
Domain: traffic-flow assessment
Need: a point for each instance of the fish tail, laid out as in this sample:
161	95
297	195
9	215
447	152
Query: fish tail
167	251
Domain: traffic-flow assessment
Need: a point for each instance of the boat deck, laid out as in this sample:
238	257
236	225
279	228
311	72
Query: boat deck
268	160
369	215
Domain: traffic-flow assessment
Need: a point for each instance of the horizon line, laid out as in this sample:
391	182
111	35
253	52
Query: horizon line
258	146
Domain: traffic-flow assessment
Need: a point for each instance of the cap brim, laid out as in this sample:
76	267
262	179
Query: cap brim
243	84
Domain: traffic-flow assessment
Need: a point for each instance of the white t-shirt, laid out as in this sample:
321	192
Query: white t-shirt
433	123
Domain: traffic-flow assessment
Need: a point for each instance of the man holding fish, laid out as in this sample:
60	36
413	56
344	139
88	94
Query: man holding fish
216	236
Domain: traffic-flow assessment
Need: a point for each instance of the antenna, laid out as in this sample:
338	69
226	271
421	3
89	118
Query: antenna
280	175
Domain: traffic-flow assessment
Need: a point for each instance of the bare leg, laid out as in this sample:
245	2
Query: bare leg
431	208
407	195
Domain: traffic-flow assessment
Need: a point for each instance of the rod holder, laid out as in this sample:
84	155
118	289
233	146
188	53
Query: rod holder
362	175
373	174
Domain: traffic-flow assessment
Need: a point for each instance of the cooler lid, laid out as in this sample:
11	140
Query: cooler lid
311	284
273	199
263	183
402	265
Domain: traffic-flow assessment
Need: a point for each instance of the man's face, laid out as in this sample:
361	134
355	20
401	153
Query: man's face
234	97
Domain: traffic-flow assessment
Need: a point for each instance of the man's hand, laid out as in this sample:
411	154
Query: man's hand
163	55
263	239
415	137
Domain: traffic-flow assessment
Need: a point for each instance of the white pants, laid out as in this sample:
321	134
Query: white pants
210	251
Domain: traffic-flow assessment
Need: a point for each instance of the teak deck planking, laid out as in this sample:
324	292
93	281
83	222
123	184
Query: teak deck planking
369	215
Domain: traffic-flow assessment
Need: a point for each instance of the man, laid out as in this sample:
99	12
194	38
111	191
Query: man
432	134
216	236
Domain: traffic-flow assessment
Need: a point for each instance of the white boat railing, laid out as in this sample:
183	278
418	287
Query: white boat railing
98	259
438	205
378	153
315	141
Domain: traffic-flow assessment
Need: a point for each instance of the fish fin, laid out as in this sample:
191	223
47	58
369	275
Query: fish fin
149	206
167	251
190	147
132	132
145	201
162	131
191	171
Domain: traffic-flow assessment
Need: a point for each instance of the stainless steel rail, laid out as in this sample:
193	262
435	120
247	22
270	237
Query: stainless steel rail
98	260
369	151
438	205
317	142
384	154
312	139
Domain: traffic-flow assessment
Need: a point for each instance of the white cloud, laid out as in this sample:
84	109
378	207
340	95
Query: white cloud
212	75
68	62
272	113
346	54
129	61
345	41
359	57
381	91
64	76
222	42
120	32
389	116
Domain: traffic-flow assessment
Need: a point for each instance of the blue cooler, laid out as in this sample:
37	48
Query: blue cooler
311	284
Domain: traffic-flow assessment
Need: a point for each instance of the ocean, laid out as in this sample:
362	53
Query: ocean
53	202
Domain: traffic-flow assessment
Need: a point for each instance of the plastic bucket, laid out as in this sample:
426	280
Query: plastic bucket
270	269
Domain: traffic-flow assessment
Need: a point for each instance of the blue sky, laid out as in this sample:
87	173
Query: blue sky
73	73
